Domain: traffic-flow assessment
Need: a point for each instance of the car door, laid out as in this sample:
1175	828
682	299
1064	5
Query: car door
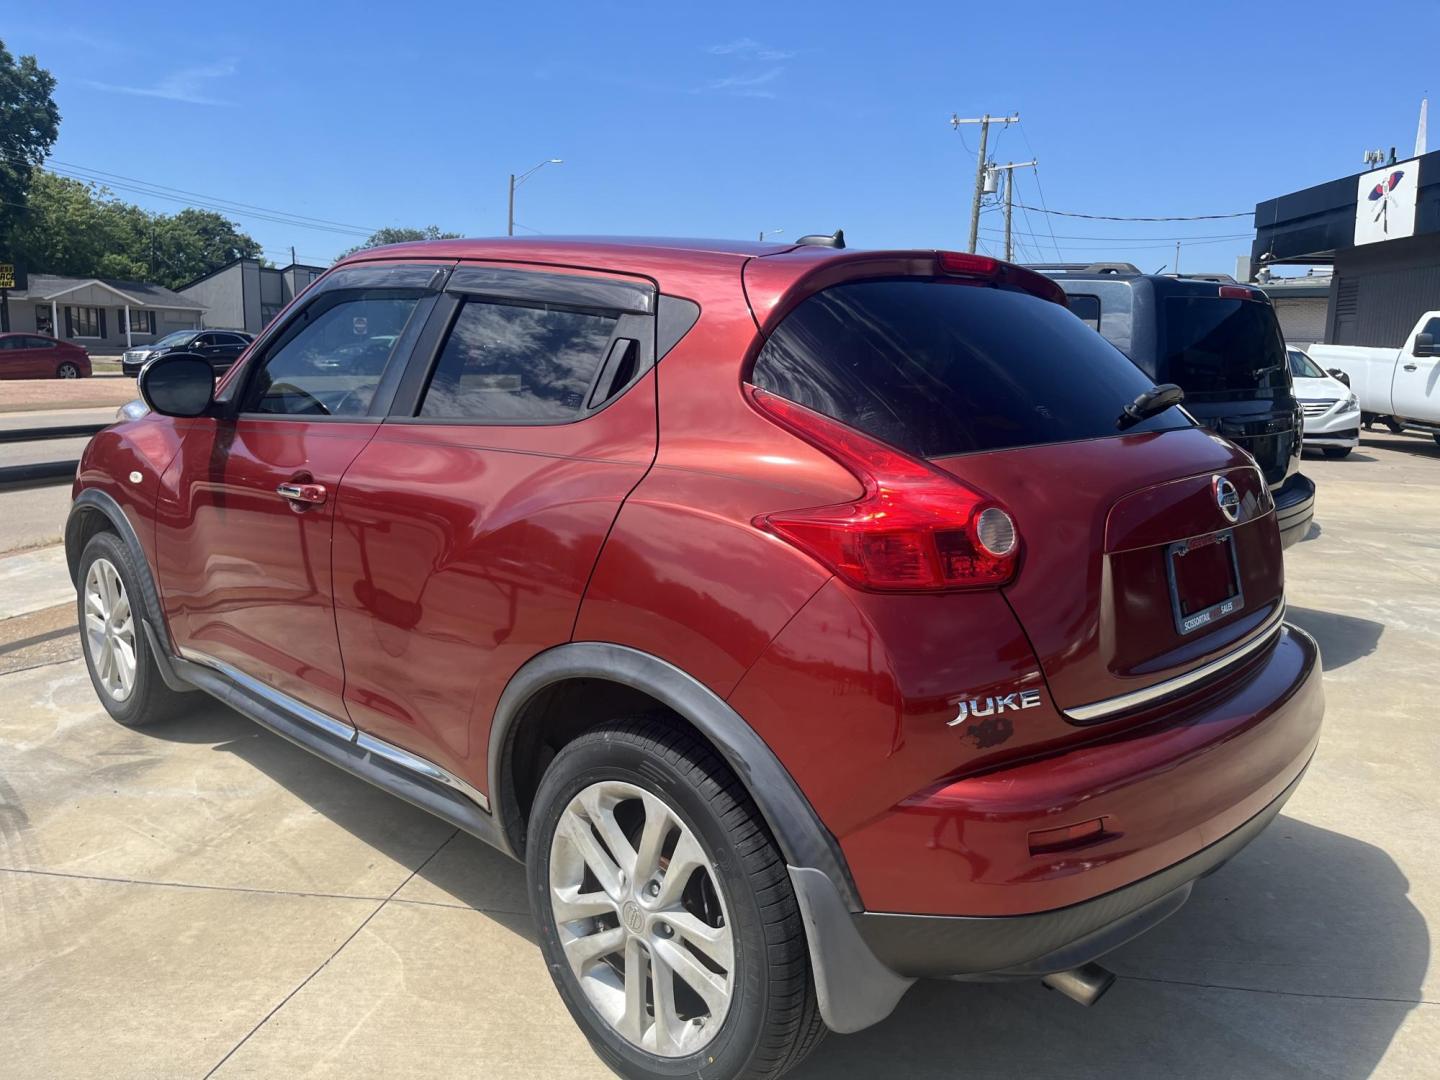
18	360
467	528
44	356
243	535
1416	389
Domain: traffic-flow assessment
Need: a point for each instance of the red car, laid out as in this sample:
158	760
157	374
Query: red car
808	620
39	356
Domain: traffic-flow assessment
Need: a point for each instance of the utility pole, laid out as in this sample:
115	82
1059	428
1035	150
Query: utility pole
510	218
1177	258
292	254
980	163
1009	171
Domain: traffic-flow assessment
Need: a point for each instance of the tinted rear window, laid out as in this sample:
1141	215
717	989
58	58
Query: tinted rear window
1213	345
937	367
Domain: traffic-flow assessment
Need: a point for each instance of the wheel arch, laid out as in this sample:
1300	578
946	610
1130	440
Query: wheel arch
617	675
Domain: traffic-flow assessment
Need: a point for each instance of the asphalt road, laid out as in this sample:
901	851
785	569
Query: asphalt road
203	899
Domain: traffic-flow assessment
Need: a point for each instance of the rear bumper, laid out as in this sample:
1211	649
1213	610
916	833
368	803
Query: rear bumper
1181	795
1294	508
1022	946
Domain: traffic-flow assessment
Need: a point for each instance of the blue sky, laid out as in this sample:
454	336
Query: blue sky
683	119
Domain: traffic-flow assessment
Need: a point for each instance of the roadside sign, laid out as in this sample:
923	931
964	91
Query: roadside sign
7	275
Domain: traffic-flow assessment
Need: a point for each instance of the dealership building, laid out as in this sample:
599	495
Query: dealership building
1380	233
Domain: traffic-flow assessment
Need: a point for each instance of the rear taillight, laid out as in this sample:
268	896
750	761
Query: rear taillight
915	528
1242	292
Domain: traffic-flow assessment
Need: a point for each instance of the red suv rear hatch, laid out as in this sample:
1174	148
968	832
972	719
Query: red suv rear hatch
1144	552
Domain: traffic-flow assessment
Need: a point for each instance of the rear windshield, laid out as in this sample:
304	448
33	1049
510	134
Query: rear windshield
940	367
1214	345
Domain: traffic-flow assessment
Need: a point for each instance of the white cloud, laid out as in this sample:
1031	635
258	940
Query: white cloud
750	49
187	84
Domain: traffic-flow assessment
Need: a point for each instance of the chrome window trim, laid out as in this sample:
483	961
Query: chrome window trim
1098	710
411	762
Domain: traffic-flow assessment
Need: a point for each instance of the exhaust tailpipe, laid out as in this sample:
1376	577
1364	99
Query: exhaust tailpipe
1085	984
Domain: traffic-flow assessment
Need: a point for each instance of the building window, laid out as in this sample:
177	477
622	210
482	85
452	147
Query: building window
142	322
43	319
84	322
268	312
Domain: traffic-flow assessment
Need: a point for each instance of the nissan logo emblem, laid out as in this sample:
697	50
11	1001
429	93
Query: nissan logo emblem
1227	497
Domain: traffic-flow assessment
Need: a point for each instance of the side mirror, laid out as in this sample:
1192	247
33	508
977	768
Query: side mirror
178	384
1425	345
1336	373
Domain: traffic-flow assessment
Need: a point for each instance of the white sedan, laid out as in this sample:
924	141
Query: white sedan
1332	415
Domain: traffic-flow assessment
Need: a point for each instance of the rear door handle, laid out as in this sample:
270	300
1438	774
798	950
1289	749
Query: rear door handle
308	494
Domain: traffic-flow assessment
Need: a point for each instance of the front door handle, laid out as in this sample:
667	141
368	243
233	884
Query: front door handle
307	494
1412	367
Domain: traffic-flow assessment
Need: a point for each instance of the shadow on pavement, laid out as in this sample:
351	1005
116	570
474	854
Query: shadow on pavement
1343	639
1238	983
1300	958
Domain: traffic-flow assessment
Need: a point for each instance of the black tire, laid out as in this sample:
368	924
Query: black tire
149	699
1437	439
67	370
773	1020
1337	452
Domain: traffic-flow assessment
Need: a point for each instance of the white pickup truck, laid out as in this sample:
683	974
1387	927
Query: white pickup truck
1399	386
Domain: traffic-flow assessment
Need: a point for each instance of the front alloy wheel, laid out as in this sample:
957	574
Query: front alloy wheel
68	370
640	915
110	630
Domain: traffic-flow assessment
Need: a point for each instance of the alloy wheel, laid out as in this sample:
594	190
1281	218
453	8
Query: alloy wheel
109	629
642	918
69	371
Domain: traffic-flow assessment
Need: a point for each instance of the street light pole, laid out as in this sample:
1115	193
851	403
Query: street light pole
515	182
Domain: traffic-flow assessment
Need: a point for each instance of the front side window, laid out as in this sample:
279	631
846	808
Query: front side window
176	338
939	367
331	356
507	363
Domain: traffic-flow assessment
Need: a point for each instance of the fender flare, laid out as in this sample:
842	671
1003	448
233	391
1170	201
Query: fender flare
803	838
152	614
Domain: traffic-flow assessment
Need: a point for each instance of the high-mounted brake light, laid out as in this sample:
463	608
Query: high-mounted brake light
915	528
1241	292
984	268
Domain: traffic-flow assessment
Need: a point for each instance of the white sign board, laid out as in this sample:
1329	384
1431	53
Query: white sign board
1385	203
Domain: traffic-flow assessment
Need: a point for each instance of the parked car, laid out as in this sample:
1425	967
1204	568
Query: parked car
1398	386
1221	343
1332	414
221	347
39	356
808	621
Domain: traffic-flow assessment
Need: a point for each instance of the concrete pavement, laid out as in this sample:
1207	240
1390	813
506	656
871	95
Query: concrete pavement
205	899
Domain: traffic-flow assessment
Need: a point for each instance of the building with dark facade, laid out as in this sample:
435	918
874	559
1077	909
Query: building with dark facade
1379	230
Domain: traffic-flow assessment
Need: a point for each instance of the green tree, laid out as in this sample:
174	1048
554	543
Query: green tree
401	236
80	229
29	125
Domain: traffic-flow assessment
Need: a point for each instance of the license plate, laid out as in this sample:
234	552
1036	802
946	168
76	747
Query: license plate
1204	578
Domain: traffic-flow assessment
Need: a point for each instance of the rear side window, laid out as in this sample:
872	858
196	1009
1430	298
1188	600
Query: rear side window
937	368
1214	345
508	363
1086	309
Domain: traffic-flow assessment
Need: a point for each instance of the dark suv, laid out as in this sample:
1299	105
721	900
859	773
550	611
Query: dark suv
808	621
1221	343
220	347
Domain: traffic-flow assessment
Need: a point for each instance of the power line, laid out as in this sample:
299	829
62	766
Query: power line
1128	239
117	181
1111	217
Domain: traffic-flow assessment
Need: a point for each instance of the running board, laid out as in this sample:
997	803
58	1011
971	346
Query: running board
399	772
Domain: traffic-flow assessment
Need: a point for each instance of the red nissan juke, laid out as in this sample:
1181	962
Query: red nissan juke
807	620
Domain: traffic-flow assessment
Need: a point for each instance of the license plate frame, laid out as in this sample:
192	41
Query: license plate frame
1228	605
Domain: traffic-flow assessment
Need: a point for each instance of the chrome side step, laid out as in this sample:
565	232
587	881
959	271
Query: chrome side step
408	776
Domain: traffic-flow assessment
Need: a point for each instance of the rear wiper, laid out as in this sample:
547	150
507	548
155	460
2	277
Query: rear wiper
1155	400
